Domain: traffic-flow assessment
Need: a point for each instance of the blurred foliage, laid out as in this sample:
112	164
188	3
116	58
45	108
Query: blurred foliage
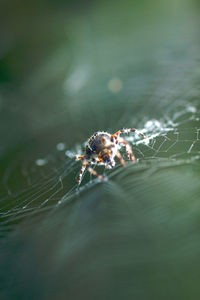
68	69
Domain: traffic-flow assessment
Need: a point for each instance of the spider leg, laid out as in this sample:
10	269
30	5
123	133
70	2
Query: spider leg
79	157
126	130
83	168
93	172
128	149
122	161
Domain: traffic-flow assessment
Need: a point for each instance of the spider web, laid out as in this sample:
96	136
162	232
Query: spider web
48	182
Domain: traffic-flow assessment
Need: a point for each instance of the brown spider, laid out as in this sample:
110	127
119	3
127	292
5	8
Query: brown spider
101	149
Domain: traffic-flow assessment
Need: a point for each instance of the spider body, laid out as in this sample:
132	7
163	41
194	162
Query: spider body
102	148
99	149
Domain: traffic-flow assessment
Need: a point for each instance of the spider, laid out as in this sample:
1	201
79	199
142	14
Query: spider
101	149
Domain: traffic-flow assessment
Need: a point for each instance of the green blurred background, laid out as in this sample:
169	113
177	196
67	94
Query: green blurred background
68	69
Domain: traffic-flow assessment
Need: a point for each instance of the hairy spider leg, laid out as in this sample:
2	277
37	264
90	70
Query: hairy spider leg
122	161
83	168
126	130
79	157
93	172
128	148
86	166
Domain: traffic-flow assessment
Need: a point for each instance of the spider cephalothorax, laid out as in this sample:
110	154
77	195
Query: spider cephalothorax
101	149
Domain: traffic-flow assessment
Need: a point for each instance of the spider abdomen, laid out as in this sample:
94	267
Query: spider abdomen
97	143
